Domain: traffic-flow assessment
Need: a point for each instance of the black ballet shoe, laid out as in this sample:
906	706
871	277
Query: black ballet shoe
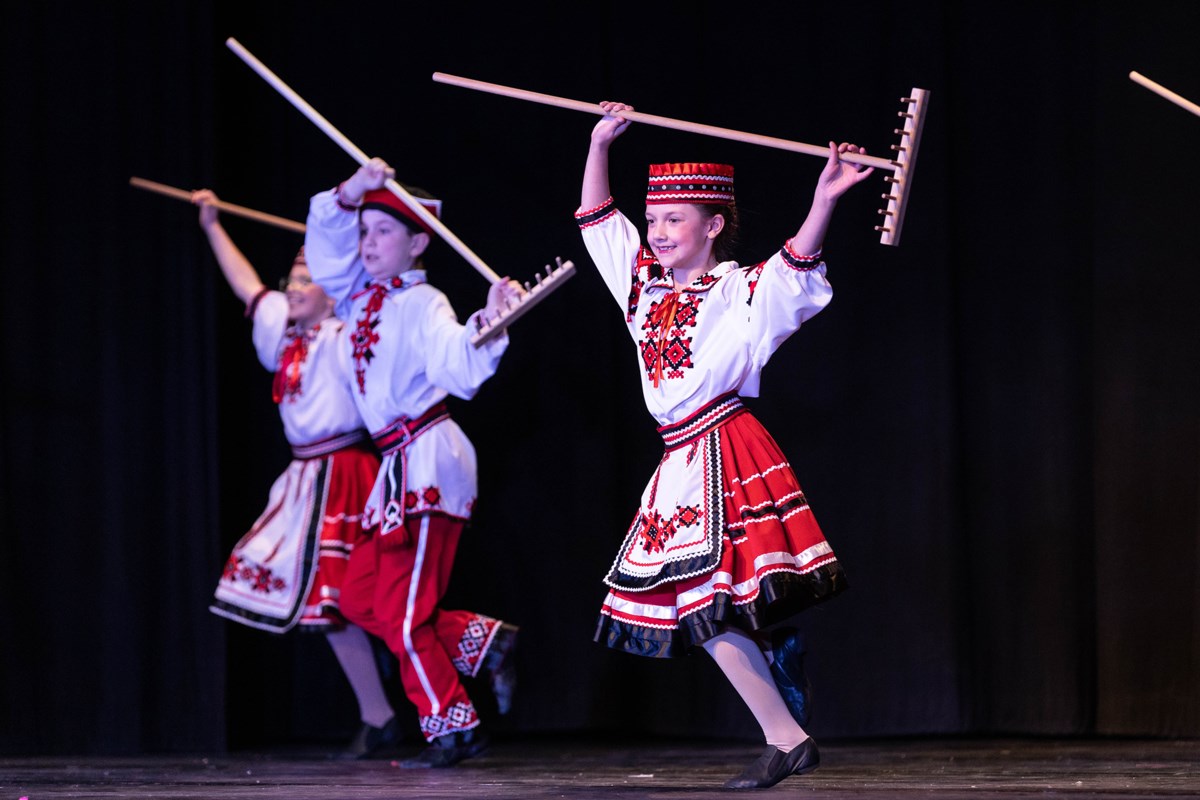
448	750
501	667
787	668
774	765
370	740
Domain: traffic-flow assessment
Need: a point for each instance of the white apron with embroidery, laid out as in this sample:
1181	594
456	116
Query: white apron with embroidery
271	570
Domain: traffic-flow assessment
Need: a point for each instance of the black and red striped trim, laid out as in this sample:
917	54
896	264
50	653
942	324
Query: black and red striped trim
797	261
700	422
594	216
401	432
332	444
252	306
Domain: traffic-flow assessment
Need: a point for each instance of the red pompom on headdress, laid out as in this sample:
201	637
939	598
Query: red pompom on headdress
690	182
384	200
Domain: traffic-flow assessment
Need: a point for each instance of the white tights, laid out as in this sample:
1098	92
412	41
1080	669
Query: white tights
746	667
353	651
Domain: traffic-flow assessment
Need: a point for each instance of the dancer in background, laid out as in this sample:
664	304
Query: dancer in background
724	546
409	352
287	571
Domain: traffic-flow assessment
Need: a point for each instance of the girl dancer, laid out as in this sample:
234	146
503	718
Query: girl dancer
287	571
724	543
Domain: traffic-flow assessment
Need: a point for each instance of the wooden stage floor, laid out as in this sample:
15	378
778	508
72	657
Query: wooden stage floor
564	767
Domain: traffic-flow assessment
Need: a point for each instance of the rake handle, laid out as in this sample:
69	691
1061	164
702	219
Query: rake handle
361	157
1164	92
220	205
662	122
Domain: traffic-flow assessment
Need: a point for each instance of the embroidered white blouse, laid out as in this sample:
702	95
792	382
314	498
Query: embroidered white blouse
315	403
405	356
713	336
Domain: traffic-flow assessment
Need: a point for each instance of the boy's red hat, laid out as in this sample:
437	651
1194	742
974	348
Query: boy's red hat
386	201
690	182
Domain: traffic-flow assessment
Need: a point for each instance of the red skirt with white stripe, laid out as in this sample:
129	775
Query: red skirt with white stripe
724	536
287	570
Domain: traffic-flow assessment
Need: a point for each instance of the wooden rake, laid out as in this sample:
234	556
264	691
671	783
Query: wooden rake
901	166
533	294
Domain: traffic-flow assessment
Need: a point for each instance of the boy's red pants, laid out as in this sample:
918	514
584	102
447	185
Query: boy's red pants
393	593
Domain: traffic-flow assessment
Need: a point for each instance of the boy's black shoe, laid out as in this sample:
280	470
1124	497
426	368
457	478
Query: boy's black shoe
501	666
369	740
448	750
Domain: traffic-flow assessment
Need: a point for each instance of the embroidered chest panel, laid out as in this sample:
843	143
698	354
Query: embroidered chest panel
667	335
288	383
365	335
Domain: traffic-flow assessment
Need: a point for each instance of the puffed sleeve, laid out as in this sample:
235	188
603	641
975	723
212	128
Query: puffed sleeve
331	249
451	361
613	243
270	314
781	294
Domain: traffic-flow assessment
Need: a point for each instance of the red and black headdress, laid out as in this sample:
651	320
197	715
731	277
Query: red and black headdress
690	182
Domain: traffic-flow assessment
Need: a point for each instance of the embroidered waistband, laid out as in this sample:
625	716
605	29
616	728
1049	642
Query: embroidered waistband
331	445
711	416
400	432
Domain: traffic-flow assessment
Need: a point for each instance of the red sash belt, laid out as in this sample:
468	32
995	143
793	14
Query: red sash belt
401	432
324	447
700	422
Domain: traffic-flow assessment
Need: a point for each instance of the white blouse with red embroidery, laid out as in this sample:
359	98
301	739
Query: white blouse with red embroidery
715	335
407	352
313	391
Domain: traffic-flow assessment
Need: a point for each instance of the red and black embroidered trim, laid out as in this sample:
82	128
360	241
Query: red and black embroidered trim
342	204
400	432
594	216
700	422
252	306
364	336
753	274
286	385
324	447
797	261
667	349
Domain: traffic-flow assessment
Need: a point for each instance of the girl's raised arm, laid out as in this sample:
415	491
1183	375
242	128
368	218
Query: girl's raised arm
238	271
595	174
836	179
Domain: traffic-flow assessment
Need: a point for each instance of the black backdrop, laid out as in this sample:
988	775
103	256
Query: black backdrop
996	422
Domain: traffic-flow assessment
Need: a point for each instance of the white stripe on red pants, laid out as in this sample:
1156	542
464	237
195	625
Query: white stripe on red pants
394	592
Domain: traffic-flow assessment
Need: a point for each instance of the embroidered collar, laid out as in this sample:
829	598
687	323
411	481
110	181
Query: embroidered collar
701	283
404	280
294	331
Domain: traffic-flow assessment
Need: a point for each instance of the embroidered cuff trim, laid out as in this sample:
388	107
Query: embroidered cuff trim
594	216
341	203
252	306
796	261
